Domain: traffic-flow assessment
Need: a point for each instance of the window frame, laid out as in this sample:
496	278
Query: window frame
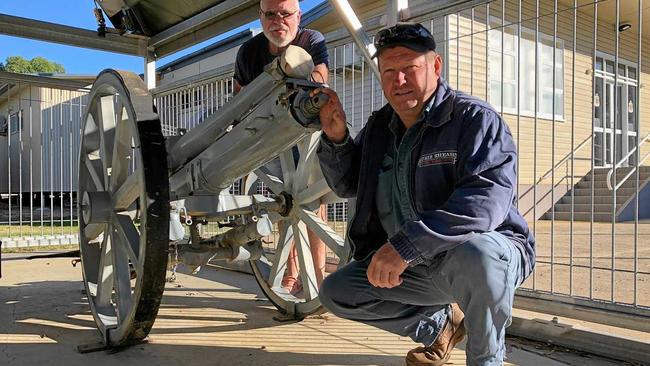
527	35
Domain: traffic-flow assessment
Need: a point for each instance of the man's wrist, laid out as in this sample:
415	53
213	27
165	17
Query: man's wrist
402	245
341	142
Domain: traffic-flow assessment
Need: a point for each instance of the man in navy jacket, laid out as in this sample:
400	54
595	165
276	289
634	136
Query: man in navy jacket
436	223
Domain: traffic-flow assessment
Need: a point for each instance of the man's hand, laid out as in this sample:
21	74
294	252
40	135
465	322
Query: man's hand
332	116
386	267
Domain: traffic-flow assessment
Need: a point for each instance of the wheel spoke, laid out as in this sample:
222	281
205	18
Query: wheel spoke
128	192
307	273
129	241
93	231
121	158
94	167
249	181
333	241
274	183
308	162
122	275
105	275
313	193
281	254
107	131
90	134
288	169
331	198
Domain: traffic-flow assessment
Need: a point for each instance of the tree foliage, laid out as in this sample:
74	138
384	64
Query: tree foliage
20	65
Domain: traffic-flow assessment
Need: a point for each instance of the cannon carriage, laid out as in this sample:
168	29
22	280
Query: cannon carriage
143	197
132	180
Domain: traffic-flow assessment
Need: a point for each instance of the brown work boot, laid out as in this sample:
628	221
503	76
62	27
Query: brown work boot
439	352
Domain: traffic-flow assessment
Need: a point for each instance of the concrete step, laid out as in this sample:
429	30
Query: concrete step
604	192
597	199
630	183
644	171
598	208
579	216
619	173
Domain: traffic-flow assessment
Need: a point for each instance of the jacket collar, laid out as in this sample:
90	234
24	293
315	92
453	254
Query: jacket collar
440	112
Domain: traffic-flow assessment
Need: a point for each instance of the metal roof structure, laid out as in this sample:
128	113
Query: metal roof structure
147	28
9	80
158	28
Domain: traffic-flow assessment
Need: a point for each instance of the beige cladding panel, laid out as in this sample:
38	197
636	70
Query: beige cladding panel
471	71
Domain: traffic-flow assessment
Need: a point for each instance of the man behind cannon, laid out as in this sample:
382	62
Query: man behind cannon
434	174
280	22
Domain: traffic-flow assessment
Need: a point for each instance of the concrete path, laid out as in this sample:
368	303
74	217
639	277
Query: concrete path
216	318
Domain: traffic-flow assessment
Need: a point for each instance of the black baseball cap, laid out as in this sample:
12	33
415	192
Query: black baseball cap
410	35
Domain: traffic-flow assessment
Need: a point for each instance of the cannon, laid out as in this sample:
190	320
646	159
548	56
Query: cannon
132	180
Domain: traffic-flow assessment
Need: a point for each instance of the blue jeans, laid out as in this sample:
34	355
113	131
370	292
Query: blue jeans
480	275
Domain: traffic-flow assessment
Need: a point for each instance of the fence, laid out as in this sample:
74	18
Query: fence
39	143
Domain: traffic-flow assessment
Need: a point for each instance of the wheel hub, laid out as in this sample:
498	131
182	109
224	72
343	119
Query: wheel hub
96	207
288	203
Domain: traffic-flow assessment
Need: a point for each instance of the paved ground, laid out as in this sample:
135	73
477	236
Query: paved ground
216	318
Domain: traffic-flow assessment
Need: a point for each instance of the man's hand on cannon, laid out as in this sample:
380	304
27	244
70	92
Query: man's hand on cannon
332	116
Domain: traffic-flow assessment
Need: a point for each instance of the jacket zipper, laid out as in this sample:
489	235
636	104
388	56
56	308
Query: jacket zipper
412	168
361	171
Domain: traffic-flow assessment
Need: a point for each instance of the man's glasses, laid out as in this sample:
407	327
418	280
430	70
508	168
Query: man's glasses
270	15
400	34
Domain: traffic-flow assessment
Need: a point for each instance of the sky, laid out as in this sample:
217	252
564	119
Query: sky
79	13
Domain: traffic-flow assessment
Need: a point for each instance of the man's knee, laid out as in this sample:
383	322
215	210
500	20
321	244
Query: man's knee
332	291
481	255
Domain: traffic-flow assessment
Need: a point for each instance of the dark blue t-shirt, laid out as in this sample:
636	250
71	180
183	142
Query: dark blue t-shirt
254	54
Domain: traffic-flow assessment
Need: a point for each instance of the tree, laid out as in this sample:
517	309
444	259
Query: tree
20	65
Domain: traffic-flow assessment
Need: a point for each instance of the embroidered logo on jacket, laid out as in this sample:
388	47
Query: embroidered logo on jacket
438	158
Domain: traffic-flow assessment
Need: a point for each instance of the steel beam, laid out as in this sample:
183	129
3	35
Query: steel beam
353	25
211	22
57	33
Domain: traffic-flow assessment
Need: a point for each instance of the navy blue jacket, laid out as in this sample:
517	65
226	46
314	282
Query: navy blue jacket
462	180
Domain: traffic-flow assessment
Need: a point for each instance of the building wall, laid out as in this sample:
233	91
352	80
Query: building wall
538	151
222	59
43	155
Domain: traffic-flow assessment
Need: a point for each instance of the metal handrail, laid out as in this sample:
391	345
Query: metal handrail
569	155
224	72
638	164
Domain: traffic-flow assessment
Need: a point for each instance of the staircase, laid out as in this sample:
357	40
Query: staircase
603	197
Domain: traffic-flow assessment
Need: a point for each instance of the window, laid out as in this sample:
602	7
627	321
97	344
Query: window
506	84
15	122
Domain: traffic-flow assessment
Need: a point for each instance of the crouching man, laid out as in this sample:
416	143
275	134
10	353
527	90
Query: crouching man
434	174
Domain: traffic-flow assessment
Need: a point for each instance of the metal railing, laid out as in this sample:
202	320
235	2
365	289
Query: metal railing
40	144
623	160
568	156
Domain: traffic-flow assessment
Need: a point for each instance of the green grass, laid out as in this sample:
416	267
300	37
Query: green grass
41	248
37	230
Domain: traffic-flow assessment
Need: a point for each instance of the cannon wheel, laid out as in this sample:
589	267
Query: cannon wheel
123	206
307	189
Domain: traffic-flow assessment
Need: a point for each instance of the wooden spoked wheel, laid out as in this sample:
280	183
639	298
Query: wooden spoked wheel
123	207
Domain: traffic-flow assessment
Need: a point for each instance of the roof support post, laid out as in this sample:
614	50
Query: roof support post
397	11
150	73
353	25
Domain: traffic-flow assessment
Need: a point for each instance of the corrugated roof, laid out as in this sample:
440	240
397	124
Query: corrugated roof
9	80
